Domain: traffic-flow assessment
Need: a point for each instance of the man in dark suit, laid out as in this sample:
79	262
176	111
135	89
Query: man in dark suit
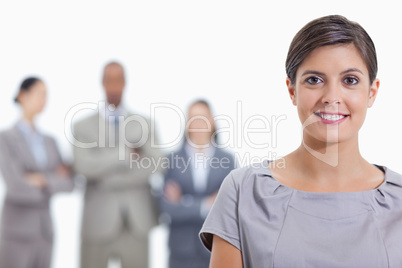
192	181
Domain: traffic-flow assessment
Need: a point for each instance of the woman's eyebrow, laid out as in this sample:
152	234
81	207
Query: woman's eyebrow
351	70
322	74
312	72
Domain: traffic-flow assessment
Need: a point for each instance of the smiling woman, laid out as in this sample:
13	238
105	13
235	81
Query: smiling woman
337	95
327	206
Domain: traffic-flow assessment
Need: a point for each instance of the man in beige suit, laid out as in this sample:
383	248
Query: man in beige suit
119	209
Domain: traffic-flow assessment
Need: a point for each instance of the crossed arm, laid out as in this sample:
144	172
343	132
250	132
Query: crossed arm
31	187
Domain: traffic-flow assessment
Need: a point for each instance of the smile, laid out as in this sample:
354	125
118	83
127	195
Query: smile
331	118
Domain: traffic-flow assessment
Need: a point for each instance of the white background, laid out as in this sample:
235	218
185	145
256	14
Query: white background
176	51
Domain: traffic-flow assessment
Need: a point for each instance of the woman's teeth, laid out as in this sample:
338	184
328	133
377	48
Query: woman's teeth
331	117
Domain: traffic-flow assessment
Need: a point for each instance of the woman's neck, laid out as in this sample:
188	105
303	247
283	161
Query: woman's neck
328	160
330	155
29	118
329	167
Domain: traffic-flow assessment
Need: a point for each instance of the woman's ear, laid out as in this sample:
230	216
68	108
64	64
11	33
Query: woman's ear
373	92
21	97
291	90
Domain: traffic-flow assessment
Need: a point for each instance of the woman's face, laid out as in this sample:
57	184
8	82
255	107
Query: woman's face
34	100
332	92
200	124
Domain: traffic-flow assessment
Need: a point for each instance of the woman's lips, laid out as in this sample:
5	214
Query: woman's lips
328	118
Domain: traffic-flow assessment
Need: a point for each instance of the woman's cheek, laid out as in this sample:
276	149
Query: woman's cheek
357	104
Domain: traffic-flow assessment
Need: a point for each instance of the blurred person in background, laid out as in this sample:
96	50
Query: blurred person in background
192	181
33	170
119	208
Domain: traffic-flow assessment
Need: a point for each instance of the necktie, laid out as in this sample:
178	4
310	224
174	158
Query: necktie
116	127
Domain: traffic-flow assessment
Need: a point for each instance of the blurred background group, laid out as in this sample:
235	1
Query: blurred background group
121	204
210	58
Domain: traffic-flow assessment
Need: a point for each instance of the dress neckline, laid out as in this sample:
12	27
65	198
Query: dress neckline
265	167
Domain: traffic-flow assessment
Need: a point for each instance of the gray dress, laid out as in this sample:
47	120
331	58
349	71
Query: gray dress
277	226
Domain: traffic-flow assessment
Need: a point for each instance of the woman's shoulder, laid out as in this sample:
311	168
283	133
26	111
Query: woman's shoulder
392	178
8	133
255	175
390	172
224	158
243	173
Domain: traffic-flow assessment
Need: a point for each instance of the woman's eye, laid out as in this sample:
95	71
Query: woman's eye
314	80
351	81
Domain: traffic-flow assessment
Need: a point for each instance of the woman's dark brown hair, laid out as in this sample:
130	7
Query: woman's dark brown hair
26	85
326	31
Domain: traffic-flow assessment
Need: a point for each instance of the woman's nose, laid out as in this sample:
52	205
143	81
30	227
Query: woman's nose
332	94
